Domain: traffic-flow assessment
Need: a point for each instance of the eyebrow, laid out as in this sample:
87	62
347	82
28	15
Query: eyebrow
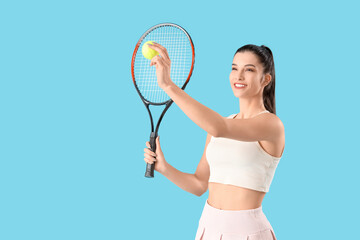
246	65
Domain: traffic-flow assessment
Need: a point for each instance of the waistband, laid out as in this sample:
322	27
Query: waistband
233	221
255	211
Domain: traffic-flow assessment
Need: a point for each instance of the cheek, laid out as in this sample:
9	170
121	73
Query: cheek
231	76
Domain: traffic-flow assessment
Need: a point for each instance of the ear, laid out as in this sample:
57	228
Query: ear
267	79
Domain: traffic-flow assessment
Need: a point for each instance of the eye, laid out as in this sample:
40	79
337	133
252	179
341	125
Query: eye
251	70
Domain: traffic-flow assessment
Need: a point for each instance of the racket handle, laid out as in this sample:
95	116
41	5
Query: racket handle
151	167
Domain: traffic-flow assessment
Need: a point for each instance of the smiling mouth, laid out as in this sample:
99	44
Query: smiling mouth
239	86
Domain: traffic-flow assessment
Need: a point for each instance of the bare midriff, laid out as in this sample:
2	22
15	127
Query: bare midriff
230	197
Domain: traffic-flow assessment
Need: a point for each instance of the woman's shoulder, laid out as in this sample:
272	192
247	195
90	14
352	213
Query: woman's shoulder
273	119
277	123
276	118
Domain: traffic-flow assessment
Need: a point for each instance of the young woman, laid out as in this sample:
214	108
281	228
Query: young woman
241	152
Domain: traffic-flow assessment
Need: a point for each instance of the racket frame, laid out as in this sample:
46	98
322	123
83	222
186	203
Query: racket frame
149	173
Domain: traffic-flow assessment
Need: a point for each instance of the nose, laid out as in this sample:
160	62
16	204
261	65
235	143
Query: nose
239	75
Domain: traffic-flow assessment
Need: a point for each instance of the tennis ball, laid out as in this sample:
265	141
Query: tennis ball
148	52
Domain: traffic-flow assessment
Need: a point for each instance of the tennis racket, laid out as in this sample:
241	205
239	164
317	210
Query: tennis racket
181	51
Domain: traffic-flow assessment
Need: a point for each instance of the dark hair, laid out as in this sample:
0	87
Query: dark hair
266	59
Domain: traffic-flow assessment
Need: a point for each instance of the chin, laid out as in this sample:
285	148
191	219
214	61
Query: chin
237	95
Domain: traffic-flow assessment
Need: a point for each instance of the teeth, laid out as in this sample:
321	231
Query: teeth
239	85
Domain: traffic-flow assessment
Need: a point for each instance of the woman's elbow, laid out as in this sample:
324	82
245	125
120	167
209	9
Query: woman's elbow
202	192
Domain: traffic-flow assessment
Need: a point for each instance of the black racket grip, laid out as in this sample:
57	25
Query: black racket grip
151	167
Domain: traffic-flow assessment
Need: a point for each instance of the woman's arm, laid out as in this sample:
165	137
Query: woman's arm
196	183
204	117
185	181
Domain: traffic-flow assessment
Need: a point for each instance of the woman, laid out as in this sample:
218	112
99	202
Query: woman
241	152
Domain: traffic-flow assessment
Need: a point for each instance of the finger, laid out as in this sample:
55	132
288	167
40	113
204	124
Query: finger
148	161
163	49
149	157
161	61
158	143
160	49
153	61
148	145
157	61
148	151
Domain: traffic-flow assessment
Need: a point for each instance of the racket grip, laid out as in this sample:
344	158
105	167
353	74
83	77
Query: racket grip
151	167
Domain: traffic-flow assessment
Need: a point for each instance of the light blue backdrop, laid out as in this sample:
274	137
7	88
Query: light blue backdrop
73	129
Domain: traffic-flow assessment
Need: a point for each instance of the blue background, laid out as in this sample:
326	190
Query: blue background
73	128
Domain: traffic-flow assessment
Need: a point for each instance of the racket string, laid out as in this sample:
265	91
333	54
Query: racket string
180	52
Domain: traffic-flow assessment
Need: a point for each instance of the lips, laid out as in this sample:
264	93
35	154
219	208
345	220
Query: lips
239	87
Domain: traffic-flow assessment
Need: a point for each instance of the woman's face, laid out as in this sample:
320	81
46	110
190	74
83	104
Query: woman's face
247	70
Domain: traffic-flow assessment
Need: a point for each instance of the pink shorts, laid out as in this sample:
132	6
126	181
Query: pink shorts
249	224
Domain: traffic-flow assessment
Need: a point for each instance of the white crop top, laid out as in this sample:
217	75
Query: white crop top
239	163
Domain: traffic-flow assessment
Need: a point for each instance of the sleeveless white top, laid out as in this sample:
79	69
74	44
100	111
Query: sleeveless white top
239	163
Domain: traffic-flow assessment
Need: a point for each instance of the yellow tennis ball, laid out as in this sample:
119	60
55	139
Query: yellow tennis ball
148	52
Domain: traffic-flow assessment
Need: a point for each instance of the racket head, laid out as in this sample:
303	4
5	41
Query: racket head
180	48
